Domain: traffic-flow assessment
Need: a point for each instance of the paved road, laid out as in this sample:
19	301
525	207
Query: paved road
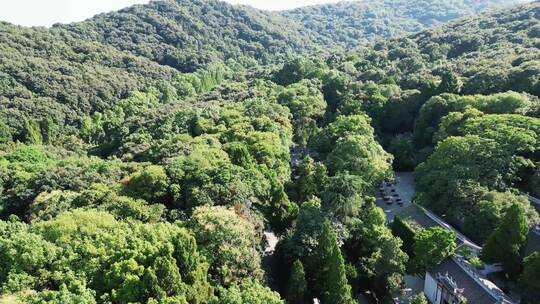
535	202
404	187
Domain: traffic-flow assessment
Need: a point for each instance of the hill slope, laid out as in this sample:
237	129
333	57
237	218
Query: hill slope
51	73
491	53
187	34
349	24
78	69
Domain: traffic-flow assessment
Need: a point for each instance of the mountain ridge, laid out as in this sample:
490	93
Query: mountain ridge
139	53
230	31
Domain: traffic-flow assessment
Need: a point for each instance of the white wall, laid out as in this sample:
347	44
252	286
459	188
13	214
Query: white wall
430	289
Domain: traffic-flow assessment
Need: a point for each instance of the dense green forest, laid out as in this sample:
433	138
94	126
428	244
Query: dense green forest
349	24
86	67
188	34
145	153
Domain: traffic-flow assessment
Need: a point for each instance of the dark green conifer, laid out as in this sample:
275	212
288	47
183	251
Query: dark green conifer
506	245
333	285
297	284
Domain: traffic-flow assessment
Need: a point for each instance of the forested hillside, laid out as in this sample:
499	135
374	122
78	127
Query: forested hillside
146	153
67	73
349	24
495	52
51	74
187	34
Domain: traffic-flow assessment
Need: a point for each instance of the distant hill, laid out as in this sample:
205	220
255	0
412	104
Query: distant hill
77	69
188	34
51	73
348	24
494	52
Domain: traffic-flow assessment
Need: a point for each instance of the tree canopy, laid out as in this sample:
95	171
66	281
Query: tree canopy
157	154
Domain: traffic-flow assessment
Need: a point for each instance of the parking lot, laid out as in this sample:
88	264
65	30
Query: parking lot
398	194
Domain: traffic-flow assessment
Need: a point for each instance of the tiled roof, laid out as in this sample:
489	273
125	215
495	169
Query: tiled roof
533	242
472	290
416	216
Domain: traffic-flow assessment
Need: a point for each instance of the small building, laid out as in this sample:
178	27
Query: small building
454	282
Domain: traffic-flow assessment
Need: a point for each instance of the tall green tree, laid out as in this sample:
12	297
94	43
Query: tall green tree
49	131
362	156
312	177
506	245
450	83
297	285
460	165
333	285
376	253
345	195
32	132
248	292
431	247
343	126
5	133
307	105
221	230
530	278
150	184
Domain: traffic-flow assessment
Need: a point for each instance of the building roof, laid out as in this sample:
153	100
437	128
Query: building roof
420	217
473	290
416	216
533	242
